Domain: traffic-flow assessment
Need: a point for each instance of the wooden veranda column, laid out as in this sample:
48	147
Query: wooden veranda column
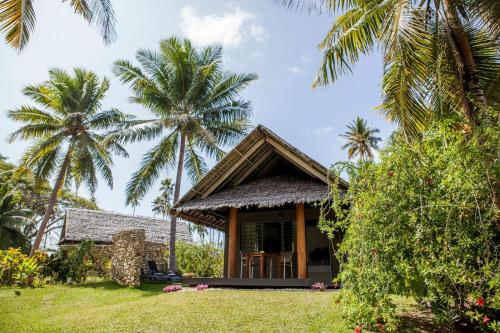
300	227
232	253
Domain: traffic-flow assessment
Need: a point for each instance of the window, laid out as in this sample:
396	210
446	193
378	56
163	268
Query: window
268	236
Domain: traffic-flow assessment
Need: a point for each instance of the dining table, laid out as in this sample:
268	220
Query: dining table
262	256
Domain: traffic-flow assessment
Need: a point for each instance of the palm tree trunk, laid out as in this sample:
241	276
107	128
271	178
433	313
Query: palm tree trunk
471	73
52	202
172	262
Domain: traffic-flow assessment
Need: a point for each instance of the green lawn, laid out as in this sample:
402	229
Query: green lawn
106	307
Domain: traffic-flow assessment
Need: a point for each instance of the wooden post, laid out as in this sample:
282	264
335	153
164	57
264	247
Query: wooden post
233	242
301	241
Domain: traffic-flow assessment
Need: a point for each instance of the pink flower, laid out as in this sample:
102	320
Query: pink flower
480	301
486	320
358	329
171	288
319	286
201	286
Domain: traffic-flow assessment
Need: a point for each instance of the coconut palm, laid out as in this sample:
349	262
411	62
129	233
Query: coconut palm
361	140
196	111
11	220
68	131
18	18
439	56
163	203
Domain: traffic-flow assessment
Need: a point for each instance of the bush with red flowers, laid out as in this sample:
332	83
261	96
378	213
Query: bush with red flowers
432	232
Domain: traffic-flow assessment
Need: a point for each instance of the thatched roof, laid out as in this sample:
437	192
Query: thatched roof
99	226
262	193
246	177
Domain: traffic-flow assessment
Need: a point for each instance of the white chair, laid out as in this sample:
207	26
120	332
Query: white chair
287	261
243	262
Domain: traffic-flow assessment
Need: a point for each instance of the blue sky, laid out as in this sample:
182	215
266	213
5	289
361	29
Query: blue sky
258	36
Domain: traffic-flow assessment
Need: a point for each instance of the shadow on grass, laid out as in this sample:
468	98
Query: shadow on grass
418	321
147	289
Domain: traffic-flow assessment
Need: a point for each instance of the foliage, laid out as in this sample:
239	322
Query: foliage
71	263
432	67
11	221
361	140
172	288
16	268
204	260
421	222
32	195
18	18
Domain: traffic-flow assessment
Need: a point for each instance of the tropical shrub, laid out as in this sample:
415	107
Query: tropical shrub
204	259
16	268
71	264
422	222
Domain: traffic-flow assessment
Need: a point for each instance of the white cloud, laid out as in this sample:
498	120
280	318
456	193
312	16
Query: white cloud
305	58
295	69
323	130
229	28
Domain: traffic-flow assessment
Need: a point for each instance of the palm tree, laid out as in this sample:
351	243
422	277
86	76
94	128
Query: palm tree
163	203
18	18
440	57
361	140
11	221
196	110
68	131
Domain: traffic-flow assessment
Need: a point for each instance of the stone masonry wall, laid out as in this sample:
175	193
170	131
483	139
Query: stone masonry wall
128	257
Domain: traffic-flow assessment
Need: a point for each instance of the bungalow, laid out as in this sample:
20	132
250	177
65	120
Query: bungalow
100	226
263	194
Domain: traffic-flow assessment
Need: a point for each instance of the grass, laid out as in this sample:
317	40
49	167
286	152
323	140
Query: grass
105	307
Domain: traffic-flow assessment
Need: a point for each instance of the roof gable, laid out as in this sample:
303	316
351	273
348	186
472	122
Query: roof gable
258	150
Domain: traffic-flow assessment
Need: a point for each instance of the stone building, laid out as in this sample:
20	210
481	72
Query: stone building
100	226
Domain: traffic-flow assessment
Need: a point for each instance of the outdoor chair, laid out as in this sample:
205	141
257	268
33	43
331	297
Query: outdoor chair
253	265
154	274
287	261
243	262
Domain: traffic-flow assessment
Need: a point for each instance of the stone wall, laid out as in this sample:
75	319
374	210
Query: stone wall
128	257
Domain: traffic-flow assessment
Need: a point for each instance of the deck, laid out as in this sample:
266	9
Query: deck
255	283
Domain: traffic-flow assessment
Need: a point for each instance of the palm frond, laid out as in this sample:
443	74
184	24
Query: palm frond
194	164
17	21
157	159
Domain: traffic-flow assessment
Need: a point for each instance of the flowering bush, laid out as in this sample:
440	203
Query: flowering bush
318	286
172	288
202	286
422	222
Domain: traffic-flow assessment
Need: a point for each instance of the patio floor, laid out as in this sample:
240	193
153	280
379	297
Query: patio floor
256	283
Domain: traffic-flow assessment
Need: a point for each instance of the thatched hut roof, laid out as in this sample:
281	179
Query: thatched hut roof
99	226
249	175
262	193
